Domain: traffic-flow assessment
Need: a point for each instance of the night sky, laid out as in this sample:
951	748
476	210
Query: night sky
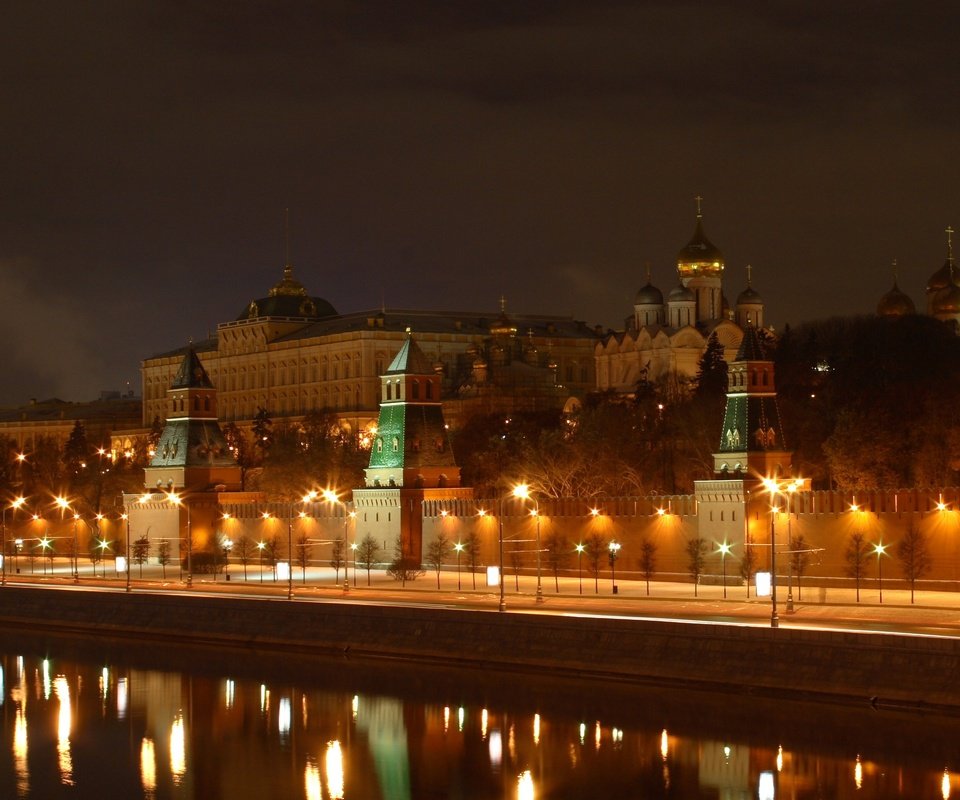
437	154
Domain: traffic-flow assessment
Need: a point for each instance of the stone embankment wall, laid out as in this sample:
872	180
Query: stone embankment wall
837	666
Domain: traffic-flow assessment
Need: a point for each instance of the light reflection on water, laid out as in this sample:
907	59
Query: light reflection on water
82	729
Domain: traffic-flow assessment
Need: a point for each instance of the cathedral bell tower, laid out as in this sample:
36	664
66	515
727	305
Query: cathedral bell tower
700	265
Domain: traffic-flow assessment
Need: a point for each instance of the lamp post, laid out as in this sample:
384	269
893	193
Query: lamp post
580	548
724	551
459	548
614	554
15	504
178	501
332	497
260	545
775	487
880	549
290	554
523	491
126	519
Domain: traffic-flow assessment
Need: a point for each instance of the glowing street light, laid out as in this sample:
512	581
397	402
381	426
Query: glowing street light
775	487
881	550
459	549
724	551
580	547
260	546
614	554
16	504
522	490
332	497
178	501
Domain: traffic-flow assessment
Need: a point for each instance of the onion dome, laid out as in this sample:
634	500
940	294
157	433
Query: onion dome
895	304
288	298
749	296
700	256
649	295
503	326
681	294
946	302
943	277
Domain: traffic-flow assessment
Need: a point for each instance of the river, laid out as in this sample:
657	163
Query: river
85	718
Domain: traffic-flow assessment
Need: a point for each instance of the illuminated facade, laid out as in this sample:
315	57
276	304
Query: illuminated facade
291	353
666	338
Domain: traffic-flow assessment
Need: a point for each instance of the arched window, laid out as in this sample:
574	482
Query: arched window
415	389
429	390
389	391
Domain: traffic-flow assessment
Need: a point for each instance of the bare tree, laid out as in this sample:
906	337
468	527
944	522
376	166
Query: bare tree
163	556
914	555
471	548
437	552
748	562
141	552
648	561
403	568
337	556
558	551
271	552
696	558
304	549
799	559
856	558
244	548
595	547
366	554
516	561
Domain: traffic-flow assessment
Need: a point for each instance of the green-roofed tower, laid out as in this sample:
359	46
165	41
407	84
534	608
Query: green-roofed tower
411	446
751	440
192	453
412	468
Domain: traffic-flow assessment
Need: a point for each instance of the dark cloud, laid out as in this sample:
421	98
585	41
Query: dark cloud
439	154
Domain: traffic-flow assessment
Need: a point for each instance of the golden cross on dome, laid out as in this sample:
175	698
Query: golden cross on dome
648	271
749	275
699	200
950	243
894	272
503	304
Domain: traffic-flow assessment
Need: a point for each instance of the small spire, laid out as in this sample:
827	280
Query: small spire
749	275
286	236
648	271
503	304
699	200
950	245
894	265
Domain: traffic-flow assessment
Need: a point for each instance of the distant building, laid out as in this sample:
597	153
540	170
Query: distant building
942	293
291	353
666	338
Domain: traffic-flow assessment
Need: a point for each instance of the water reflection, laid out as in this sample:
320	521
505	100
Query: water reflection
74	728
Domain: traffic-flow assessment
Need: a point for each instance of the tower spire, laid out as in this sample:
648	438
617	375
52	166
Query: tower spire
648	272
699	200
950	245
894	265
286	237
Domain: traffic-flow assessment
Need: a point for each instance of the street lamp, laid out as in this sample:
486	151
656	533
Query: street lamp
125	517
459	548
15	504
580	548
332	497
724	550
881	550
614	554
523	491
260	545
178	501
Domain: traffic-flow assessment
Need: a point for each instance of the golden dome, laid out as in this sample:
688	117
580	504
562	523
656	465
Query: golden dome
895	304
700	256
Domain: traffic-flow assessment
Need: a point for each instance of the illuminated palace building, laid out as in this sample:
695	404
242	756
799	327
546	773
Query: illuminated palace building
290	353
